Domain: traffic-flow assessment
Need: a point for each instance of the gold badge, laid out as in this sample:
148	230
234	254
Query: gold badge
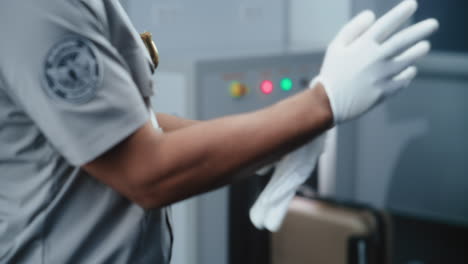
151	47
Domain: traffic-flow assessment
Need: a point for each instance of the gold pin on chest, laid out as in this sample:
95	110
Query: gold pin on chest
151	47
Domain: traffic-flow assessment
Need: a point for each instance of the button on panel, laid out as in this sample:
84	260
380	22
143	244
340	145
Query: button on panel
238	90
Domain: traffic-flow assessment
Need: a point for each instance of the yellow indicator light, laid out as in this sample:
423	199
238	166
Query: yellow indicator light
238	90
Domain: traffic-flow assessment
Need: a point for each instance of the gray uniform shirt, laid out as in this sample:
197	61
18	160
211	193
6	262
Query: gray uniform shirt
72	77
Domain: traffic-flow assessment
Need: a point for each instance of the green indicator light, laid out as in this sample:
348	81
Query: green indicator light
286	84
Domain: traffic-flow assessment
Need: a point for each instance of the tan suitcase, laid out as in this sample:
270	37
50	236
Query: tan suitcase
325	232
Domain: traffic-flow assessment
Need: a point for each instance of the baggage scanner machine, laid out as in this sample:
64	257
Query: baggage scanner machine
209	88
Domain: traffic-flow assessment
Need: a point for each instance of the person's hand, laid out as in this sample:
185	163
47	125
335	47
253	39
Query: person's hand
367	61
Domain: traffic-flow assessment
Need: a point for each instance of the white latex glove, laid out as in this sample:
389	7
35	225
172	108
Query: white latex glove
293	170
154	122
367	61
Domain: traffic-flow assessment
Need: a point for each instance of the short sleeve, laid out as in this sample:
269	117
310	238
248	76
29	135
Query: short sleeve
63	70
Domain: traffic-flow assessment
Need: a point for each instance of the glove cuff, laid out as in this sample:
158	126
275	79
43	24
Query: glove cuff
331	99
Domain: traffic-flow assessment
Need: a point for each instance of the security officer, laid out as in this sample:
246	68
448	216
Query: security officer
73	76
85	177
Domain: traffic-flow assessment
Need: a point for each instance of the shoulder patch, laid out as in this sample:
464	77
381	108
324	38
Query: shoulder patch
72	70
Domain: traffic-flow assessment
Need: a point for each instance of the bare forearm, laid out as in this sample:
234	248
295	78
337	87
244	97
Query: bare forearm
211	153
155	169
169	123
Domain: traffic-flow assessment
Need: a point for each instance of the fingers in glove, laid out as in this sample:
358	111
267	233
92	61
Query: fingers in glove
400	81
417	51
408	37
355	28
392	20
257	214
268	207
276	214
407	58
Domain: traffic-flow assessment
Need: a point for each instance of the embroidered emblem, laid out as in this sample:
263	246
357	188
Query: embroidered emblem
72	71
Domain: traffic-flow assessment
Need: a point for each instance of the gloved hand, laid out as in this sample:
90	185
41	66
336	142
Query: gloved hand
271	206
367	62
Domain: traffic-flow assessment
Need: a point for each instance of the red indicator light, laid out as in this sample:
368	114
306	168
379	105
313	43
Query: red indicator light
266	87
